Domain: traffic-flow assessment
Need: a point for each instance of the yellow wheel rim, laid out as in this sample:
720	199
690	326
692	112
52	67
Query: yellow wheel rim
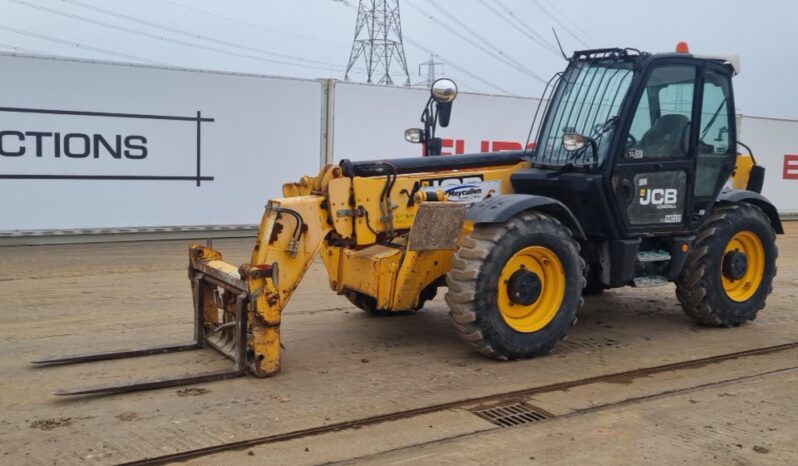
744	288
544	263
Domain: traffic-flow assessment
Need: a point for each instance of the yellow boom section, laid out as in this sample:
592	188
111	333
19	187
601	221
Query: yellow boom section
290	235
389	239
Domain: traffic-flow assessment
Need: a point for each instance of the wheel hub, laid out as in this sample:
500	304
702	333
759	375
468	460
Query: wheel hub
742	266
531	288
735	265
524	287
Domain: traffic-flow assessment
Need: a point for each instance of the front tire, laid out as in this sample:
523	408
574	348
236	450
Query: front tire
730	271
514	288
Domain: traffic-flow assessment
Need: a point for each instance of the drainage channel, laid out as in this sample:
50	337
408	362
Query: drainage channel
513	414
502	418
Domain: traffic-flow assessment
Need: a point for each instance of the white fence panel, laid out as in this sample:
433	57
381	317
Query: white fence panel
775	145
92	145
369	122
104	145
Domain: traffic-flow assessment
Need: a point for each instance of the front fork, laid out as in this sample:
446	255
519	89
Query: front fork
290	235
237	310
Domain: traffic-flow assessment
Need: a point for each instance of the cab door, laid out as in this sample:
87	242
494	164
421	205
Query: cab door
716	150
654	165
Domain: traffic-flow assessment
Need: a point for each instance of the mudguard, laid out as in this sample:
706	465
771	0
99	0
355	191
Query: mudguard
751	197
499	209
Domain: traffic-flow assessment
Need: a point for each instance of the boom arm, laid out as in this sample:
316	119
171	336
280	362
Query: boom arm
386	237
290	235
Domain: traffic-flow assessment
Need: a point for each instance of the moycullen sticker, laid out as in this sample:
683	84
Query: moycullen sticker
473	192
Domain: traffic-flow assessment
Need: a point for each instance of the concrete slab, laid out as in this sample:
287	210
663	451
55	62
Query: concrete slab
750	422
339	364
424	437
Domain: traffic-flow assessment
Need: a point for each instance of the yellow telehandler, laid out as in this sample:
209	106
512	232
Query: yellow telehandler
634	179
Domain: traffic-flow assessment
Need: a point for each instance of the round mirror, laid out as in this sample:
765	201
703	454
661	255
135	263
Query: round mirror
444	91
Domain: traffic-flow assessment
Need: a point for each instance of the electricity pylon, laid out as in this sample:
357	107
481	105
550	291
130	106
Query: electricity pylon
431	73
378	41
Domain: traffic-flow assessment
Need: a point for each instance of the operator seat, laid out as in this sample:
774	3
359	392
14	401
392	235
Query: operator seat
666	136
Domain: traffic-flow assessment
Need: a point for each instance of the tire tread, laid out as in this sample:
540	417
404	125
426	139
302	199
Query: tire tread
467	263
694	288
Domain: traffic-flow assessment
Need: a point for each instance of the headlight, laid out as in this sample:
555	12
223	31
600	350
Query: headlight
573	141
413	135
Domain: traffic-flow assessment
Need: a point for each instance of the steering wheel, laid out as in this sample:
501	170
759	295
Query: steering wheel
632	139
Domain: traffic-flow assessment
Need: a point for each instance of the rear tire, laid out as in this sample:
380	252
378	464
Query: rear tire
478	292
705	287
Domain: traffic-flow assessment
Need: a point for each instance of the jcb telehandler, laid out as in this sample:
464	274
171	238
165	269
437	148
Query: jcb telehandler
629	184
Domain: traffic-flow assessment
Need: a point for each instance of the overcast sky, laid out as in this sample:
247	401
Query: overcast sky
486	46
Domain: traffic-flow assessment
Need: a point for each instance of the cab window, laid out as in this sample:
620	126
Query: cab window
662	121
714	145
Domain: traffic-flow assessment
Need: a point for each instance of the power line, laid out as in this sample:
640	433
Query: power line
560	23
459	68
432	74
487	42
502	58
527	27
189	34
523	28
22	49
449	62
257	26
573	23
331	67
81	46
467	39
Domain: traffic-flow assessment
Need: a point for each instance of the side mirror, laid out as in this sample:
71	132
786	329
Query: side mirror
443	92
414	135
444	114
437	111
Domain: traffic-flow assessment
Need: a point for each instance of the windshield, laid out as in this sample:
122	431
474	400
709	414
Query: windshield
586	101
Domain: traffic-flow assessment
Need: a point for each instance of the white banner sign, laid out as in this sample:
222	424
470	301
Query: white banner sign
776	148
370	122
58	144
104	145
96	145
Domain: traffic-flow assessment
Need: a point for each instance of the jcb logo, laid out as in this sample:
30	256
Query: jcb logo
452	181
658	197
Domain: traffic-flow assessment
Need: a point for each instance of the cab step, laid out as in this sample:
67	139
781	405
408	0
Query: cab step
653	256
650	281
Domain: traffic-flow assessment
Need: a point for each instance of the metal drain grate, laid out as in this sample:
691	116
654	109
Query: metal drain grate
511	415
